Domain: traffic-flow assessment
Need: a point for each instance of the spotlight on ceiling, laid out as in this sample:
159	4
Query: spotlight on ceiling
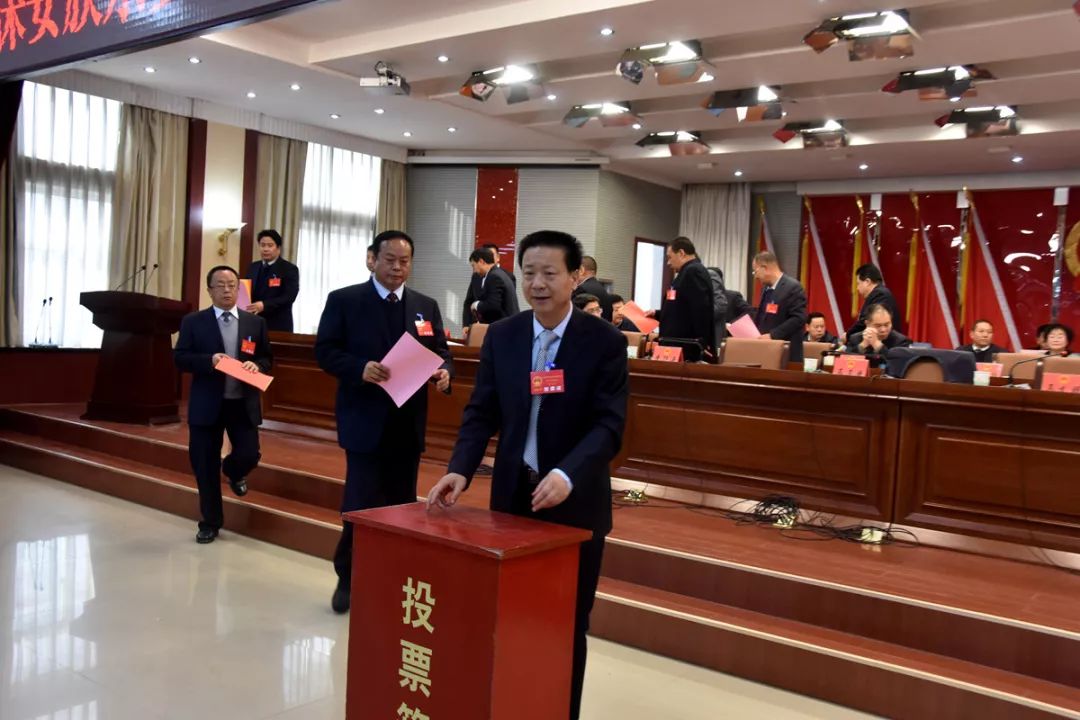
610	114
995	121
674	63
943	83
872	35
385	82
678	142
751	104
821	134
518	82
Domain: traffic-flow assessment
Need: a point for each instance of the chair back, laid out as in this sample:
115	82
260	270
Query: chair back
926	370
635	340
1055	365
815	350
768	354
1025	372
477	331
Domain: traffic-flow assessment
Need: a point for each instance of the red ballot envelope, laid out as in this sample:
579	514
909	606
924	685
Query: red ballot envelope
636	315
995	369
411	365
744	328
851	365
1061	382
235	368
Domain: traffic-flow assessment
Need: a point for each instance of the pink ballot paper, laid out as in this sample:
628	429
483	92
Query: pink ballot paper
636	315
235	368
243	294
744	328
410	365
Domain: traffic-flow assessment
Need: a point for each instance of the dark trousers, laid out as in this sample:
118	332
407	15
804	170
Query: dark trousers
379	479
204	449
590	557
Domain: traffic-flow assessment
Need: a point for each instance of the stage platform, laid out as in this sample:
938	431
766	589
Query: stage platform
902	632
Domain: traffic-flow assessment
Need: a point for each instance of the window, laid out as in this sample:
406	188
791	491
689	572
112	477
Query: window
651	273
65	165
341	197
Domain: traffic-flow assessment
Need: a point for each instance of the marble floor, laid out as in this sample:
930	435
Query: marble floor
110	611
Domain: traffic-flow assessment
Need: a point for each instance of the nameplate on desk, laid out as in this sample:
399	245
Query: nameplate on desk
995	369
851	365
668	354
1061	382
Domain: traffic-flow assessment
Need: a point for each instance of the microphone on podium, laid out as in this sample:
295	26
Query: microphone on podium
131	277
146	280
41	320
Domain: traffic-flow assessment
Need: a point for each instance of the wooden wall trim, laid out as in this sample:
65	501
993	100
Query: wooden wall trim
193	225
251	171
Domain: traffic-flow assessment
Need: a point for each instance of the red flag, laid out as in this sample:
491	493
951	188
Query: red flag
983	294
817	282
930	319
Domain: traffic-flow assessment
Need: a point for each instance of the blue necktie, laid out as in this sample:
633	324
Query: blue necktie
532	453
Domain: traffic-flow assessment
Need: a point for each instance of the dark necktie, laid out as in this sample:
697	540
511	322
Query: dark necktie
766	300
391	298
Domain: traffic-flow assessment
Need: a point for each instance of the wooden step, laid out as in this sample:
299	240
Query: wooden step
861	673
291	524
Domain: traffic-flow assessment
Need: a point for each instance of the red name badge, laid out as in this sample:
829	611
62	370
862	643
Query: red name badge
1061	382
547	382
995	369
665	353
275	282
671	294
772	309
247	346
423	328
851	365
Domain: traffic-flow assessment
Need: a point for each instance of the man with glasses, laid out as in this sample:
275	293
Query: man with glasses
219	403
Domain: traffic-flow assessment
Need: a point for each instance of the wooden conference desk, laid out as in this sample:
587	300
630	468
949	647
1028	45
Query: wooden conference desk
993	462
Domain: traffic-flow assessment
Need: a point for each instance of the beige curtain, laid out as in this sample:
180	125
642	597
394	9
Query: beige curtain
9	295
716	218
150	200
279	190
391	212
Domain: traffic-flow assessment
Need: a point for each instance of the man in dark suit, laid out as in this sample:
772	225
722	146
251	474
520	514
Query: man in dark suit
687	309
781	311
495	298
554	449
620	321
275	283
218	403
818	331
982	342
878	338
495	254
871	286
382	442
589	285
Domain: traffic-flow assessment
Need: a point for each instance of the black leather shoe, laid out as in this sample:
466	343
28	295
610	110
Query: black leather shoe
342	595
239	486
205	535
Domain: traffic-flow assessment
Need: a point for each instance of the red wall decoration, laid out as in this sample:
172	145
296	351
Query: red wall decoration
496	211
947	266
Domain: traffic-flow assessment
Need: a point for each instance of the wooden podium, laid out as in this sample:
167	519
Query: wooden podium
460	613
136	379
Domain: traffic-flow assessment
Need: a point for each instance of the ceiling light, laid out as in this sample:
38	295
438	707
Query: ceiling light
678	142
451	129
552	97
989	121
607	32
864	166
871	35
738	173
760	103
379	111
519	83
674	63
407	133
636	126
251	94
335	116
150	69
1017	159
194	60
443	59
821	134
610	114
941	83
294	87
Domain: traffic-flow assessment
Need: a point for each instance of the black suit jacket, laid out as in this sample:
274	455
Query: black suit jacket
826	338
690	314
894	340
199	341
579	431
277	301
497	297
592	286
471	296
789	320
352	332
880	295
984	356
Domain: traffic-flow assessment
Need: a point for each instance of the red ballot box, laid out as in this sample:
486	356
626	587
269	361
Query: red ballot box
460	613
